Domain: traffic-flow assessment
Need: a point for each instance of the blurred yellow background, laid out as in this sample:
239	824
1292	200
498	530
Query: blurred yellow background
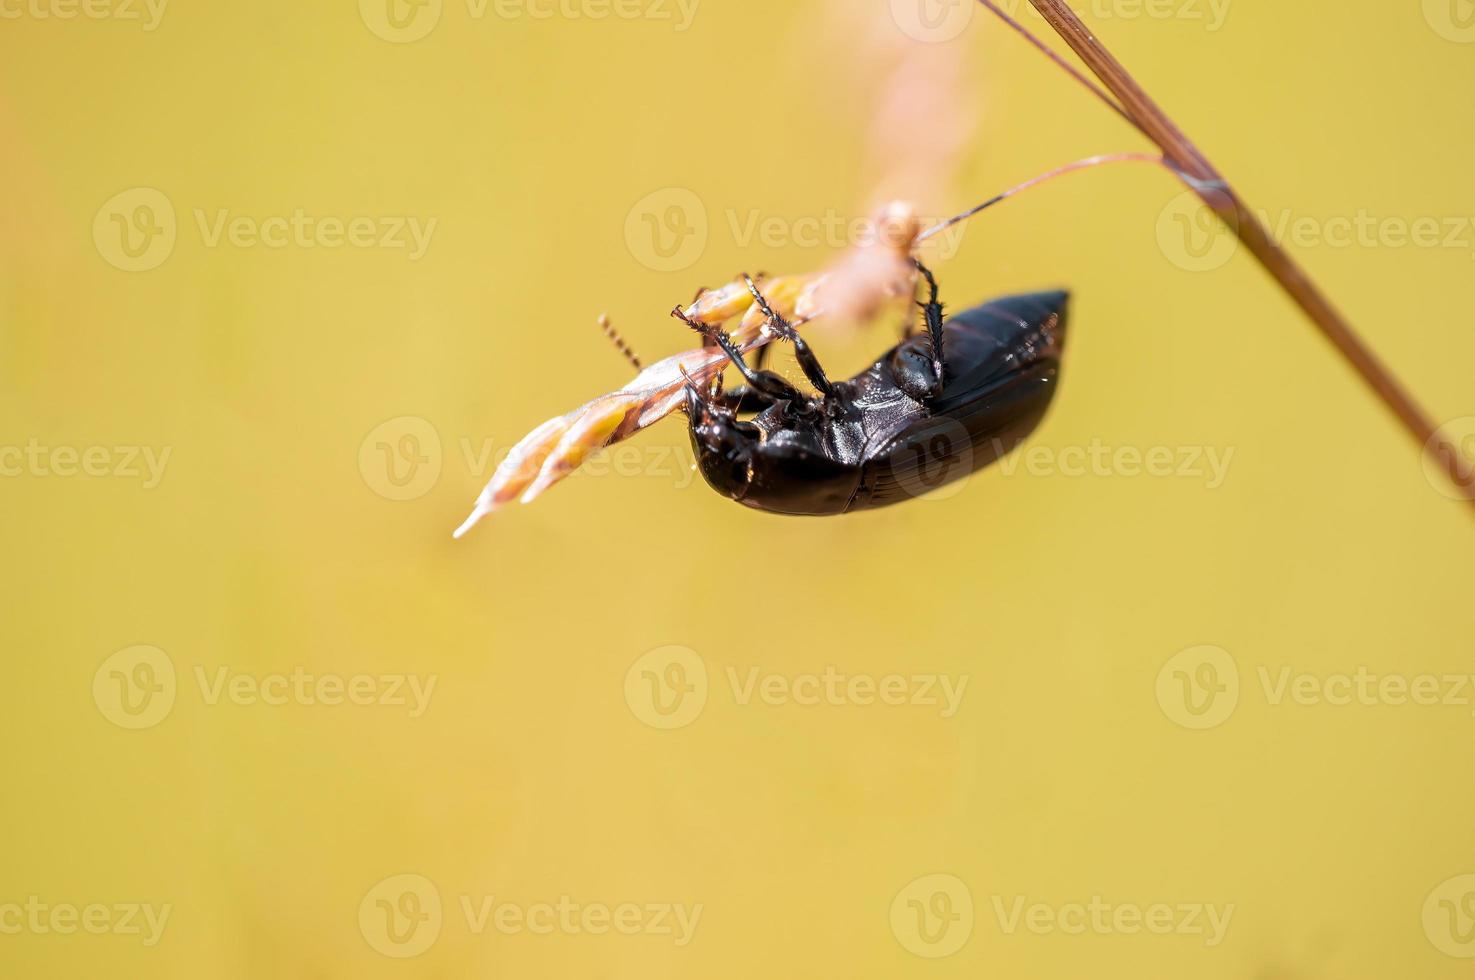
263	717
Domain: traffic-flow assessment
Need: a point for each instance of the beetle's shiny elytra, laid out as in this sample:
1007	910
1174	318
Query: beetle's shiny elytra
909	424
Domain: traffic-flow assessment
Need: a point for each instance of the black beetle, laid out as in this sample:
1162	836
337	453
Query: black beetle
935	408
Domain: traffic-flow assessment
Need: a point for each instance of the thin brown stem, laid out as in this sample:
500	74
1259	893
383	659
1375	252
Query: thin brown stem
1216	192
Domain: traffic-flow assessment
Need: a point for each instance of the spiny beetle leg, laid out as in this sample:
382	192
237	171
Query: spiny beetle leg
770	384
807	361
932	311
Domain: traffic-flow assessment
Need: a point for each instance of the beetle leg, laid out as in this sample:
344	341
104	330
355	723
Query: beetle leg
768	383
807	361
932	312
745	399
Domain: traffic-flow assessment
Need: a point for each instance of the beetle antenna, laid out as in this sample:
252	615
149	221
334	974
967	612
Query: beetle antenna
618	341
1069	168
1060	62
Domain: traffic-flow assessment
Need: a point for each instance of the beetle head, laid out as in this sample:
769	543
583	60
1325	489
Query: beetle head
723	450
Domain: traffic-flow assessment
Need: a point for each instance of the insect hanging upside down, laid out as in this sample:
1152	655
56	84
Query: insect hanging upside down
933	409
943	403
